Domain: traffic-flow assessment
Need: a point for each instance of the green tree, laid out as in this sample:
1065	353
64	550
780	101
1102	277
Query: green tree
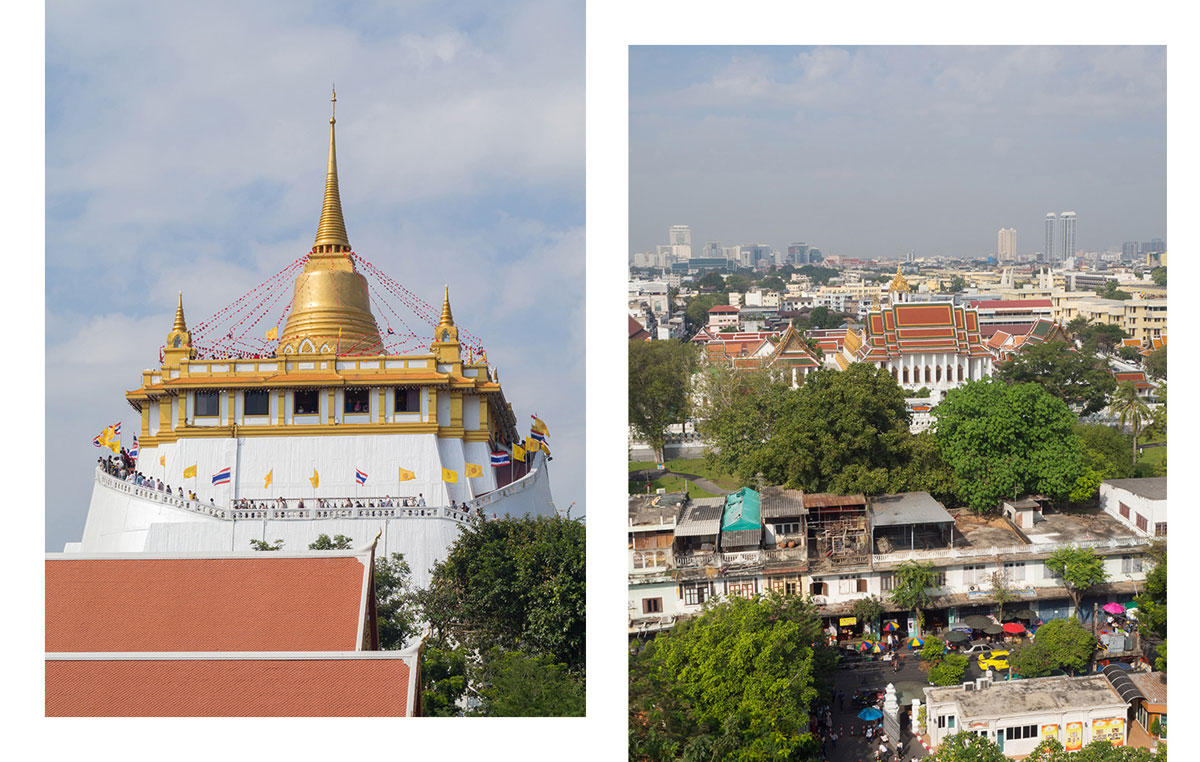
1156	363
323	542
396	603
772	283
913	581
264	545
697	309
1158	424
443	680
713	280
1101	336
957	284
949	671
927	471
1159	276
737	283
738	682
818	275
1051	750
660	375
923	393
1074	377
1003	440
514	684
822	317
933	651
741	412
867	609
1152	603
1110	291
1106	450
1058	644
967	747
1129	354
1080	570
516	584
1002	591
841	432
1131	410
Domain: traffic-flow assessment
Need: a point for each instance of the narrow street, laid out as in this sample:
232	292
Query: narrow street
852	746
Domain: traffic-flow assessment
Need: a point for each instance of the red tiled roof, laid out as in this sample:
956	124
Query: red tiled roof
1010	304
723	308
637	332
909	328
321	686
234	602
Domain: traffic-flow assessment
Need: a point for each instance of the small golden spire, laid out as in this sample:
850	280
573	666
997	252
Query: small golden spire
447	318
331	230
180	324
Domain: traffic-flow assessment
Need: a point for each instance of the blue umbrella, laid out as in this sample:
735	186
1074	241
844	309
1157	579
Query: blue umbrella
870	714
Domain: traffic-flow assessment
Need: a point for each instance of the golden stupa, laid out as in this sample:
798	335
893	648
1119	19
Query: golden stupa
331	310
899	283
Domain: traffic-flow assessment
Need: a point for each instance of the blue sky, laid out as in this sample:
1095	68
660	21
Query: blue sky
861	150
185	150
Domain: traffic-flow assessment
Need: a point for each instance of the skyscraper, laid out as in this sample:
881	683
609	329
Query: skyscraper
680	237
1006	244
1067	247
798	253
1048	248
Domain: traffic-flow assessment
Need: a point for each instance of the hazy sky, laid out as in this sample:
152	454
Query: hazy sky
860	151
186	147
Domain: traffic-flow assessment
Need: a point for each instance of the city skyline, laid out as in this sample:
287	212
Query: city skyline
860	151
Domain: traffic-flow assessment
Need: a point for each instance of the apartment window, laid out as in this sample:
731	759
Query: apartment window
950	722
887	582
208	404
652	605
256	403
939	579
1142	523
1124	509
1131	564
1015	570
819	588
304	402
849	585
973	574
792	528
1022	731
357	401
791	587
1160	529
408	401
694	595
743	589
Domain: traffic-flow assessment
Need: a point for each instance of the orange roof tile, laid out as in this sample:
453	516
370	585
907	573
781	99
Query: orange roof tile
364	686
231	602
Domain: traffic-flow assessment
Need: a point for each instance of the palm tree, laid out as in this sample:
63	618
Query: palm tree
1131	409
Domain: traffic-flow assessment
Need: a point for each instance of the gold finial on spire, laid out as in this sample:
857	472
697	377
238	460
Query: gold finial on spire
331	231
333	108
447	318
180	323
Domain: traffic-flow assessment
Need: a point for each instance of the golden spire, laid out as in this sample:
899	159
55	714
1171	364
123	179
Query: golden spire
899	283
180	324
331	231
447	318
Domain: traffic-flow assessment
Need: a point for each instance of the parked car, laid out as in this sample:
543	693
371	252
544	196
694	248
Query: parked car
994	660
977	647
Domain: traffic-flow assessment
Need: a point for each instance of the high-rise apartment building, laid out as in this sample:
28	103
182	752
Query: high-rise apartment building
1048	247
797	253
1067	247
1129	250
1006	244
680	237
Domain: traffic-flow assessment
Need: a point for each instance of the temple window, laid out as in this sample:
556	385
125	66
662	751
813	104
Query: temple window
960	373
939	373
928	375
304	402
408	400
906	375
357	401
208	404
256	403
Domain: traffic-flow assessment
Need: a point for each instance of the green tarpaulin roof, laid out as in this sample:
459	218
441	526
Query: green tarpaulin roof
743	510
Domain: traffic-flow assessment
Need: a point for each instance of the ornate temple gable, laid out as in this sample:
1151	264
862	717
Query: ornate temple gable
793	352
919	328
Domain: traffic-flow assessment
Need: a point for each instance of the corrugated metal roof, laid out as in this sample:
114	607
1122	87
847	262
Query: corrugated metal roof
827	500
701	517
777	502
743	510
740	538
909	508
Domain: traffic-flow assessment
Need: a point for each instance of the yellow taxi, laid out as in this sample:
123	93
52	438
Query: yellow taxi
994	660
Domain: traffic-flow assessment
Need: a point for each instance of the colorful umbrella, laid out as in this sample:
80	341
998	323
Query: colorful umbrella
1014	628
866	645
870	714
876	649
890	626
915	642
1113	608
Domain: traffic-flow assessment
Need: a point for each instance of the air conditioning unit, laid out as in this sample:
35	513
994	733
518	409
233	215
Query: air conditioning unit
968	686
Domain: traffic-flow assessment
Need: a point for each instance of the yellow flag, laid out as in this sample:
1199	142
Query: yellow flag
162	460
406	475
518	453
473	470
114	445
273	333
531	444
315	480
189	472
449	476
269	475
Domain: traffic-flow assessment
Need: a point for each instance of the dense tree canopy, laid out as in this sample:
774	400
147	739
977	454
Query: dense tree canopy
324	542
823	317
1156	363
660	374
736	683
395	601
698	307
1106	455
1058	644
967	747
513	684
819	276
1051	750
912	587
517	584
1076	378
771	283
713	280
1152	603
1159	276
1004	440
1101	336
1080	569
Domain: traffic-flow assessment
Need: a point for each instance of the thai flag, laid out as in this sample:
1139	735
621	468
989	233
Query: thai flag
96	441
117	429
500	459
222	476
360	476
133	451
538	436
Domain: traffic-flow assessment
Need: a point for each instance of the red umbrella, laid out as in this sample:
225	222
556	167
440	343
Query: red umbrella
1014	628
